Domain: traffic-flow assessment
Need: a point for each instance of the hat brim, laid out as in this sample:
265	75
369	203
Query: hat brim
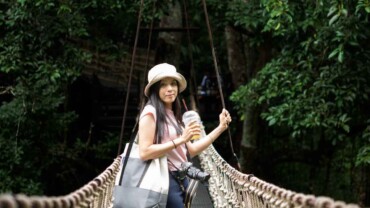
177	76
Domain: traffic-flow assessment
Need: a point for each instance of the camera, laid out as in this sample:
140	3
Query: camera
193	172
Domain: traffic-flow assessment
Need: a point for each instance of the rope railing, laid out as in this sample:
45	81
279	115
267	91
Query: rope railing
96	194
231	188
227	187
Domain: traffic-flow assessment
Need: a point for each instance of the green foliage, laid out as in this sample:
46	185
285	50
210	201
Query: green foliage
103	149
316	86
363	156
35	48
41	55
304	88
42	51
363	6
279	16
314	90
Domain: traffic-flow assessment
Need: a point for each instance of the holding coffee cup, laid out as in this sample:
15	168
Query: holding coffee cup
191	116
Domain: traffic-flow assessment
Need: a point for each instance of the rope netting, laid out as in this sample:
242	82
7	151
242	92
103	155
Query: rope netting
96	194
231	188
227	187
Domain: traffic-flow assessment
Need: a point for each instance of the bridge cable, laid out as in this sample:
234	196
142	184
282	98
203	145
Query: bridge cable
146	61
130	78
218	75
193	98
141	102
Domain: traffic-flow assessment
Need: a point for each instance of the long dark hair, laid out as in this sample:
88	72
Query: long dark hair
162	118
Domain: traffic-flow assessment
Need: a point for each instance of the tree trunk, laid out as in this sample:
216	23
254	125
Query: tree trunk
244	62
237	61
236	56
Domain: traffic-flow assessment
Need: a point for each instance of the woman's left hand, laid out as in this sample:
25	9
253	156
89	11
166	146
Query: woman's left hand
225	119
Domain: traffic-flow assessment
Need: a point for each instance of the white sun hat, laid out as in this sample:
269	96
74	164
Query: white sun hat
160	71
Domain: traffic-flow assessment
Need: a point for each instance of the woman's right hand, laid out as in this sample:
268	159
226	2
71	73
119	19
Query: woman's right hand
194	128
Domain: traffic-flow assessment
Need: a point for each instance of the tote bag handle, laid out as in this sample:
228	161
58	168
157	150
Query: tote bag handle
132	139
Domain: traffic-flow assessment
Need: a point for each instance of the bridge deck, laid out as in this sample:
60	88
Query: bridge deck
202	198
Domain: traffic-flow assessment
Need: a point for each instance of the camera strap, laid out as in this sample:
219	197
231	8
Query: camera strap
190	191
176	176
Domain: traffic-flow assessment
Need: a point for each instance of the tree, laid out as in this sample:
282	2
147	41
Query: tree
41	56
313	92
44	46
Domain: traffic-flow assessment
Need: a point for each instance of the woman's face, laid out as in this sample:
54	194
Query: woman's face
168	90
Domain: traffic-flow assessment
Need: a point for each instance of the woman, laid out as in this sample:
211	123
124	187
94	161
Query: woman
161	119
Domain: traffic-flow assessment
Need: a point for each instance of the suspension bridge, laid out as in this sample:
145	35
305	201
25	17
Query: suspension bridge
227	187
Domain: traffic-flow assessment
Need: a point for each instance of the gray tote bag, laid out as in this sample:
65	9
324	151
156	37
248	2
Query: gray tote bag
141	183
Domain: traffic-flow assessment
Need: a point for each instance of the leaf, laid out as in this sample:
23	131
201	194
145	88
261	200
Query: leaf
332	10
341	57
277	26
64	8
343	118
353	43
272	121
22	2
333	19
333	53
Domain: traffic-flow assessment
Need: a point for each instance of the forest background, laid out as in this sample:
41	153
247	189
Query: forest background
296	76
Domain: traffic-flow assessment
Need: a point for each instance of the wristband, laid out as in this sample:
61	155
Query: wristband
173	143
